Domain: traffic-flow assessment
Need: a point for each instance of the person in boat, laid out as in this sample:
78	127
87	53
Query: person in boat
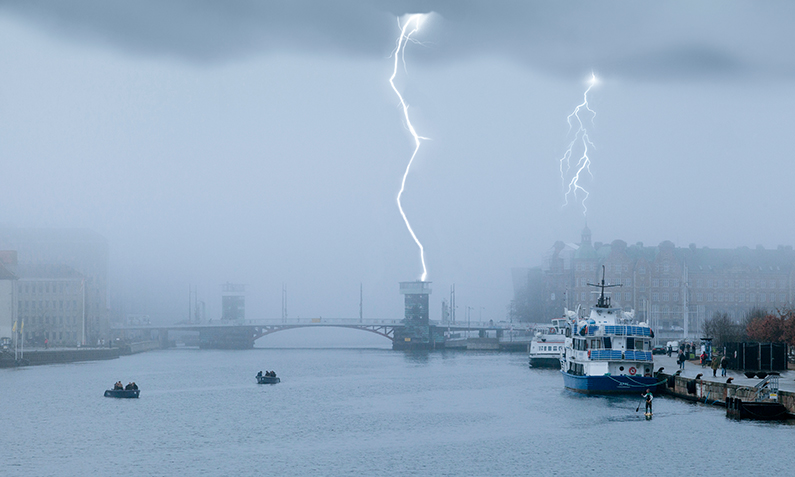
118	386
648	397
128	387
259	375
134	386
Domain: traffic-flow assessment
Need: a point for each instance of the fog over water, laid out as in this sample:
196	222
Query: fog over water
262	144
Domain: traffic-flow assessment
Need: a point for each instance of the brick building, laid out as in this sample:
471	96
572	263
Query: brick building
674	289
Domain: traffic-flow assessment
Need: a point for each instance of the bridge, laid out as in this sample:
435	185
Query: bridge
241	334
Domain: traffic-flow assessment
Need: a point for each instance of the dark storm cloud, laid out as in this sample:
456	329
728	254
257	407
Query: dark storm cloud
641	40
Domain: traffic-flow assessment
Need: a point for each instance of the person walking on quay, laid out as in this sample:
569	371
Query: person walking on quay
715	365
724	363
681	359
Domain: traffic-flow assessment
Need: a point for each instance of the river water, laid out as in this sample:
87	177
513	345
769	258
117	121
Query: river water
357	412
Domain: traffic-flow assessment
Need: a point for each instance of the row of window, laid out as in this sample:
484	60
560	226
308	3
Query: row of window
700	297
46	320
744	283
49	287
52	336
550	348
47	304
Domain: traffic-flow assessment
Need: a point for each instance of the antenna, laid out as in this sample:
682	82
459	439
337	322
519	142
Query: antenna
603	302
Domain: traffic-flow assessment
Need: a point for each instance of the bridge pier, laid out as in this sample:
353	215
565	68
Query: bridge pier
241	337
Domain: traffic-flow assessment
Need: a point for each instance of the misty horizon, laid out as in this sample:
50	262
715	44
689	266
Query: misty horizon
264	146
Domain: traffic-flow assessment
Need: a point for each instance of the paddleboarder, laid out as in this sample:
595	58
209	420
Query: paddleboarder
648	397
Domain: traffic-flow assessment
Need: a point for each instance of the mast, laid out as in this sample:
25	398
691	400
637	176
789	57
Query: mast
603	301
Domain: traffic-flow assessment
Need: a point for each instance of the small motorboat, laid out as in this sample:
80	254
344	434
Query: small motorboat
122	393
267	379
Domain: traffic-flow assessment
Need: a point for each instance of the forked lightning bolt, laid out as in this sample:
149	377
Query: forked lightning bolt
584	163
405	36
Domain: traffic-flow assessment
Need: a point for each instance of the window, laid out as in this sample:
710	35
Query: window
655	296
676	296
699	297
700	283
627	296
675	283
709	296
720	297
642	269
665	283
666	268
665	296
655	282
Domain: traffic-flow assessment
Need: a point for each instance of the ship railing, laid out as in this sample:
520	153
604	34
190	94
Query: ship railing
617	354
626	330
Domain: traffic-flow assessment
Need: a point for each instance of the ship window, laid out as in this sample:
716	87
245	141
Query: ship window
607	342
630	343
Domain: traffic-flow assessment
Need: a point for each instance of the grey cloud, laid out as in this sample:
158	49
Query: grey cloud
638	40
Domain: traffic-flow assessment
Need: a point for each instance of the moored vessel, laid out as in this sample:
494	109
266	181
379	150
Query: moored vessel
608	353
546	346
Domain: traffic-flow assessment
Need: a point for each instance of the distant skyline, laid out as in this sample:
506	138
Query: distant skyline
262	144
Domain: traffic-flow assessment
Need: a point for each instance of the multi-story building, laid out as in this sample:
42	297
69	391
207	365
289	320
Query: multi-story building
8	317
86	252
674	289
51	302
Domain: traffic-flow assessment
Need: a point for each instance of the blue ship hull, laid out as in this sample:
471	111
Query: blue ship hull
609	384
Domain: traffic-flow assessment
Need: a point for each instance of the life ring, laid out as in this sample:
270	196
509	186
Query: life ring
552	331
632	371
589	354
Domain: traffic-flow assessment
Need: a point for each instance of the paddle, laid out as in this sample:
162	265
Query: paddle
638	408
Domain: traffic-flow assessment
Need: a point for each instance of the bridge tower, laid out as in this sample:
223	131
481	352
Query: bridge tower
417	332
233	312
233	302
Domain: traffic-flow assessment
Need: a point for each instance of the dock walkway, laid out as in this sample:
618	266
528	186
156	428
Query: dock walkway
713	390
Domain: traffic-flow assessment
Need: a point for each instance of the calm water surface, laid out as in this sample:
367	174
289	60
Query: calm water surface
357	412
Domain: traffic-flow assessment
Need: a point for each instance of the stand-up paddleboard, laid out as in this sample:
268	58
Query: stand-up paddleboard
648	415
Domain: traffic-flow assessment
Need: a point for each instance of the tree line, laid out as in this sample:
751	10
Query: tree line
757	325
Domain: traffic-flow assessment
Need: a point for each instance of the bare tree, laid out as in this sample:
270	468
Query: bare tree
723	329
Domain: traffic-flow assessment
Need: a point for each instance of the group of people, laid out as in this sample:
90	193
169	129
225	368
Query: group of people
268	374
120	387
722	363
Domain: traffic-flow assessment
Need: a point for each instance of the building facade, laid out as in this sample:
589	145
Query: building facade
85	252
52	304
674	289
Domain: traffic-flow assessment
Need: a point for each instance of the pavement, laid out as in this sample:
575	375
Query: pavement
785	383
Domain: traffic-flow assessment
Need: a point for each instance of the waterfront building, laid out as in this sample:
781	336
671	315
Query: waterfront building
8	315
674	289
51	301
84	251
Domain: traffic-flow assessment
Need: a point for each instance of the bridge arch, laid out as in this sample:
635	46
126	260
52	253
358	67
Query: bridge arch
387	332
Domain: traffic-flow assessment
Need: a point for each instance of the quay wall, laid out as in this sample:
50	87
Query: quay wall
139	347
714	393
55	356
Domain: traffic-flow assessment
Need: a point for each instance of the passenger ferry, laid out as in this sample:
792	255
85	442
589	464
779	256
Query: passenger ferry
546	346
606	353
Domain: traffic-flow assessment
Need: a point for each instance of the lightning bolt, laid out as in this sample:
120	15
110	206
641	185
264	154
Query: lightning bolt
584	163
400	51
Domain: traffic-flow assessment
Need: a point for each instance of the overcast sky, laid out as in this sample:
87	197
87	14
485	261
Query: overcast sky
260	142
